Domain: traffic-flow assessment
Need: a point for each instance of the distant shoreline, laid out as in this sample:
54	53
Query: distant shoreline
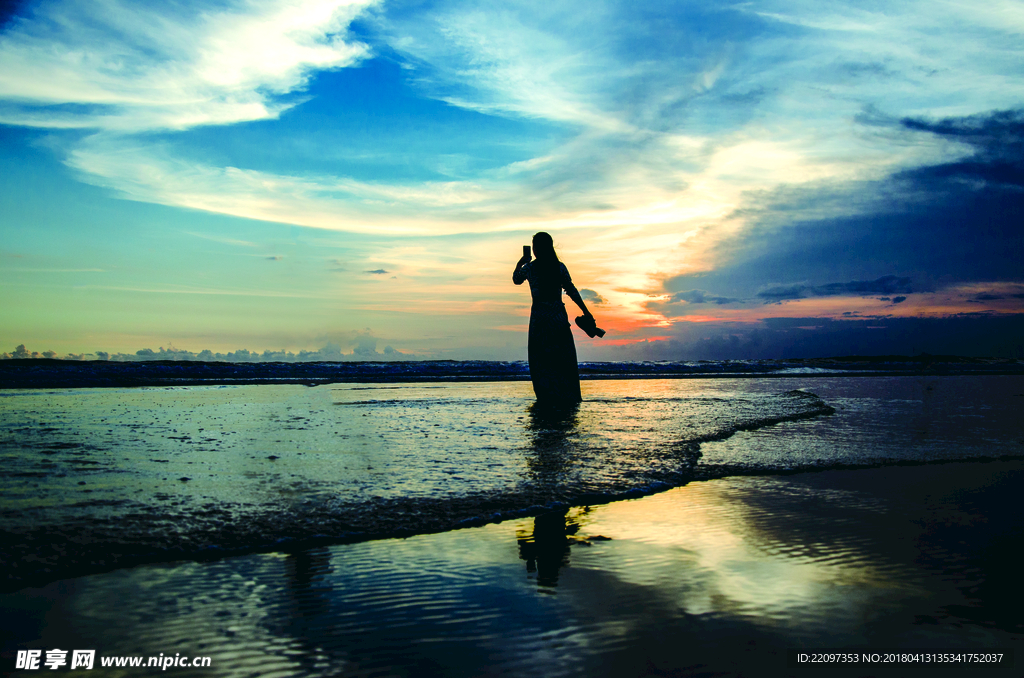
53	373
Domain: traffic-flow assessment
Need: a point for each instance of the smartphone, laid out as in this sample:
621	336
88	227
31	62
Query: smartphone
526	251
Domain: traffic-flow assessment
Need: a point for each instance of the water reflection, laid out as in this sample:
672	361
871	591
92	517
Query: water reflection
308	583
553	437
553	443
308	593
709	579
546	549
547	422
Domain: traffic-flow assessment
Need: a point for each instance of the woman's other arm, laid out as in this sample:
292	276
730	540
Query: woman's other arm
573	293
575	296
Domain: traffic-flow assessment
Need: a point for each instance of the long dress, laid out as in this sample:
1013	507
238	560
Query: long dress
553	367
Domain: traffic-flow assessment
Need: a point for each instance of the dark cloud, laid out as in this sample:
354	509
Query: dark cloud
591	296
783	292
700	297
998	140
681	303
379	271
997	295
898	300
887	284
275	258
968	334
937	225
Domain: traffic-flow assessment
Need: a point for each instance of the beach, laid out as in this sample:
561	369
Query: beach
383	339
672	527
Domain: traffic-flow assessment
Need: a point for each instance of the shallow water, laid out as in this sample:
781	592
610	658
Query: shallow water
712	578
101	478
885	420
104	477
716	578
98	478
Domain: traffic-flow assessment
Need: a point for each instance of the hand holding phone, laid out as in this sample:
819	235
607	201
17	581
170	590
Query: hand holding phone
526	251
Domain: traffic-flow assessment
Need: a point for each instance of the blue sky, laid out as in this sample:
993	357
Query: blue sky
728	179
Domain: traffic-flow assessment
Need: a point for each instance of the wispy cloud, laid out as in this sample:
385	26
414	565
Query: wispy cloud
631	161
122	66
700	297
889	284
222	239
636	156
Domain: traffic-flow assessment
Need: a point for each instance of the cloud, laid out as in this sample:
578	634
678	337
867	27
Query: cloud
700	297
148	171
638	147
518	60
591	296
888	284
996	138
1006	293
221	239
966	334
379	271
365	346
909	221
686	303
123	66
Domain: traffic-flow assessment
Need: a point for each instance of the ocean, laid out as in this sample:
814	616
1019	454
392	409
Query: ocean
212	475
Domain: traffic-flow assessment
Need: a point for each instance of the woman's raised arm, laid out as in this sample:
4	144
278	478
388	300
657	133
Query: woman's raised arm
519	275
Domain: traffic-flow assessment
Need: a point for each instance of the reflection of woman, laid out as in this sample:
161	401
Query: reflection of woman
553	370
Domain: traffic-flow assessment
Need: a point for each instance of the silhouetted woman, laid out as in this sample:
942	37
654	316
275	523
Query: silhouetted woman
553	368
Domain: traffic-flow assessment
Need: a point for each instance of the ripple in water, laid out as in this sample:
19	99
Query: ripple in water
103	478
714	578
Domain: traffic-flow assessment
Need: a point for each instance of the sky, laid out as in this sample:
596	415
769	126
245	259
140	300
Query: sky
354	179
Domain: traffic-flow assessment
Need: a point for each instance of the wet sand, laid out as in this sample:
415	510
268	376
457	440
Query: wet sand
715	578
